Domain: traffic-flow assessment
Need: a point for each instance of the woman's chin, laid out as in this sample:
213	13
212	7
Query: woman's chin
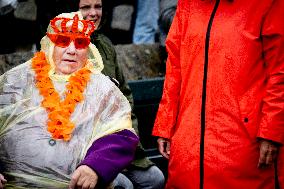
66	71
68	68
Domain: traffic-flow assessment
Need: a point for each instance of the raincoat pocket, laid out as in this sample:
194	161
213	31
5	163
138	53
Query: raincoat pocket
249	114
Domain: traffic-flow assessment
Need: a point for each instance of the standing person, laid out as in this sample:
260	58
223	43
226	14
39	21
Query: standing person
221	117
146	23
142	172
63	124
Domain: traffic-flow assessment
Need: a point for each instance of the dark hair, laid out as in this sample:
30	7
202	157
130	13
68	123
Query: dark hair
105	11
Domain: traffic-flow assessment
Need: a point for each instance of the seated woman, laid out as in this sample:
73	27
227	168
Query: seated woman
63	123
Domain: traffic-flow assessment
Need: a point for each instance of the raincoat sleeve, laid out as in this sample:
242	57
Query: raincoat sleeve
110	154
168	108
272	121
115	140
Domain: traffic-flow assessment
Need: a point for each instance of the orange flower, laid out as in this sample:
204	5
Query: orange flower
59	112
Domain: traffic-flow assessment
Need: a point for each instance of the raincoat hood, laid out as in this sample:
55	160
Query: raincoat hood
94	61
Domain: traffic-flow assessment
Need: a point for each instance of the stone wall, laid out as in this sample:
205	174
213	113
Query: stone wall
140	61
8	61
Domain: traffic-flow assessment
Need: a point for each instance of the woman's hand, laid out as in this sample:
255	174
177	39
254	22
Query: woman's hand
164	146
83	177
2	181
268	153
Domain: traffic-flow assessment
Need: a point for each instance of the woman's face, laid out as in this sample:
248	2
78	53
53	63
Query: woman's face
91	10
69	59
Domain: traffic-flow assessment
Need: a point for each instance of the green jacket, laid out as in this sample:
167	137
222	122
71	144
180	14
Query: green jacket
113	70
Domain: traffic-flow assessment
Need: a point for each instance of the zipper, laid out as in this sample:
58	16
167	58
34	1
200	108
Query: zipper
203	105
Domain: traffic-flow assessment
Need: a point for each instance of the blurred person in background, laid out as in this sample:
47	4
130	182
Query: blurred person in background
167	13
142	173
146	23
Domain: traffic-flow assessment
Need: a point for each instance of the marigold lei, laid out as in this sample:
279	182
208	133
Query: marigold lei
59	112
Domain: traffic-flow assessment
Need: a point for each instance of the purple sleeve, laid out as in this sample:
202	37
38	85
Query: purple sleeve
110	154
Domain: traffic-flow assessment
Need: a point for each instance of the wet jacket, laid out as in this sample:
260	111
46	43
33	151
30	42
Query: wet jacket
224	89
114	71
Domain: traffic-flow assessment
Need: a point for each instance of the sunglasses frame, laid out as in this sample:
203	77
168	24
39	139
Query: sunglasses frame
72	37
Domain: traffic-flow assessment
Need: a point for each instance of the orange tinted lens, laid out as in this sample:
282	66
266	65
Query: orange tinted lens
62	41
82	42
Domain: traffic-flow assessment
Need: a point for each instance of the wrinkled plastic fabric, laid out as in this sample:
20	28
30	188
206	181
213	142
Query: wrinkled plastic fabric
27	153
244	93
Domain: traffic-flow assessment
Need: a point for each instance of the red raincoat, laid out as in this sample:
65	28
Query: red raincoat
224	88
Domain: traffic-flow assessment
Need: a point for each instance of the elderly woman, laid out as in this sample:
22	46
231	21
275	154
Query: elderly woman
62	122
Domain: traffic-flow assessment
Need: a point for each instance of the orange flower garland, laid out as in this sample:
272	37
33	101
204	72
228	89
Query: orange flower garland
59	112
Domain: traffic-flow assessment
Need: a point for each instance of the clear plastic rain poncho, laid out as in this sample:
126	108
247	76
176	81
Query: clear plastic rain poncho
30	158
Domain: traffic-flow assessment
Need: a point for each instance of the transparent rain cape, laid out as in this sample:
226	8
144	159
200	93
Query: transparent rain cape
28	156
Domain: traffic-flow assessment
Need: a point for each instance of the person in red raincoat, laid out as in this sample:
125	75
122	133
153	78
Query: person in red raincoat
221	117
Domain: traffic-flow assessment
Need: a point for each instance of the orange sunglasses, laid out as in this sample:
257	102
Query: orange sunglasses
64	40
